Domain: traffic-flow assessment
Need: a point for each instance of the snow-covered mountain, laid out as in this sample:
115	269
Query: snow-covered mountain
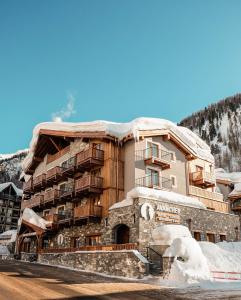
220	126
10	166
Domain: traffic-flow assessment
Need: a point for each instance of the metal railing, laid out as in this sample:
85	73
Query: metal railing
153	181
153	152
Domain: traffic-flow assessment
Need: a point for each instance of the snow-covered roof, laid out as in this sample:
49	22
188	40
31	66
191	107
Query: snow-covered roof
233	177
160	195
11	234
31	217
121	130
5	185
10	155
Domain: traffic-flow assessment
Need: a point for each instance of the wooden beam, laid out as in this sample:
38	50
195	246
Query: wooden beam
55	145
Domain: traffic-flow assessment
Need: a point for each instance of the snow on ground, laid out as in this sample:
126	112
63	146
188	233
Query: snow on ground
12	234
121	130
166	234
30	216
161	195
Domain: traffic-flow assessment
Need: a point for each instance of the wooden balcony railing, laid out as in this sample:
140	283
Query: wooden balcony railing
203	178
54	174
64	216
50	195
198	192
28	186
155	156
51	158
90	157
110	247
153	181
88	210
89	184
35	200
39	181
68	166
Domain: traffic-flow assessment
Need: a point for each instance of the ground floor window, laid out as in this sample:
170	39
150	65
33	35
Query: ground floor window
92	240
223	237
197	235
211	237
76	242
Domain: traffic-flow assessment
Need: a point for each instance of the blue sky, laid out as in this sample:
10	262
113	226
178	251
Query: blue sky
116	60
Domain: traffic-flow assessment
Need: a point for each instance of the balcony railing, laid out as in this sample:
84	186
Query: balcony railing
68	166
35	200
156	156
88	210
152	181
64	216
203	178
89	158
66	190
39	181
53	175
28	186
195	191
50	195
89	184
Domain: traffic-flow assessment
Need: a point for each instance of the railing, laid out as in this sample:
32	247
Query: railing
66	189
88	181
68	165
195	191
39	180
87	210
36	200
53	173
90	153
59	217
51	195
111	247
221	275
153	181
28	186
51	158
201	175
152	152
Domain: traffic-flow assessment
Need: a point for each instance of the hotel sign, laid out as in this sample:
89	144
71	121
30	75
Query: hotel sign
167	214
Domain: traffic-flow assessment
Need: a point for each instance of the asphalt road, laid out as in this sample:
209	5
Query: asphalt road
23	281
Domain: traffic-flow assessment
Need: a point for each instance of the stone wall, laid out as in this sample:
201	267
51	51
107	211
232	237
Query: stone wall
28	256
117	263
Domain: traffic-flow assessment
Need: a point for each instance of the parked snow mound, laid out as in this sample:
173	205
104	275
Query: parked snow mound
121	130
4	250
164	196
166	234
223	256
190	265
30	216
8	236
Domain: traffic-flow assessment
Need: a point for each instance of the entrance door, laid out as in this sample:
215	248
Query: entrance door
122	234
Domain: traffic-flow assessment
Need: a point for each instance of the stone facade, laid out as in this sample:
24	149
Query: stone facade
116	263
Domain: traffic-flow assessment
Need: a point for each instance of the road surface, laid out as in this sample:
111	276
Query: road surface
25	281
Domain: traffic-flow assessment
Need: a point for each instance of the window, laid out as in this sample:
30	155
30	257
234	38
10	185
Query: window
173	180
60	209
92	240
152	150
222	237
152	178
76	242
211	237
173	156
46	212
197	235
199	168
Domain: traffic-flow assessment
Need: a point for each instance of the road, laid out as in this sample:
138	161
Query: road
25	281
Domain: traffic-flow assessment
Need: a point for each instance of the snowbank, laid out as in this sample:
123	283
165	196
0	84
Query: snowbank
11	234
162	195
4	250
166	234
225	256
121	130
190	265
31	217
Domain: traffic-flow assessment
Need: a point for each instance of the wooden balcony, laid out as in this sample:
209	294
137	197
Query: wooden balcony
35	201
28	186
89	158
68	167
66	191
89	184
156	182
39	182
203	193
53	175
203	179
50	196
88	210
66	216
153	156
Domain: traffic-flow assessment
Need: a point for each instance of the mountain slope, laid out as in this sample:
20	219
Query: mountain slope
220	126
10	167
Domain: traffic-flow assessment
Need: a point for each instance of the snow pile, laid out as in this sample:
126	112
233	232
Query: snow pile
166	234
8	236
190	265
31	217
121	130
224	256
165	196
4	250
123	203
